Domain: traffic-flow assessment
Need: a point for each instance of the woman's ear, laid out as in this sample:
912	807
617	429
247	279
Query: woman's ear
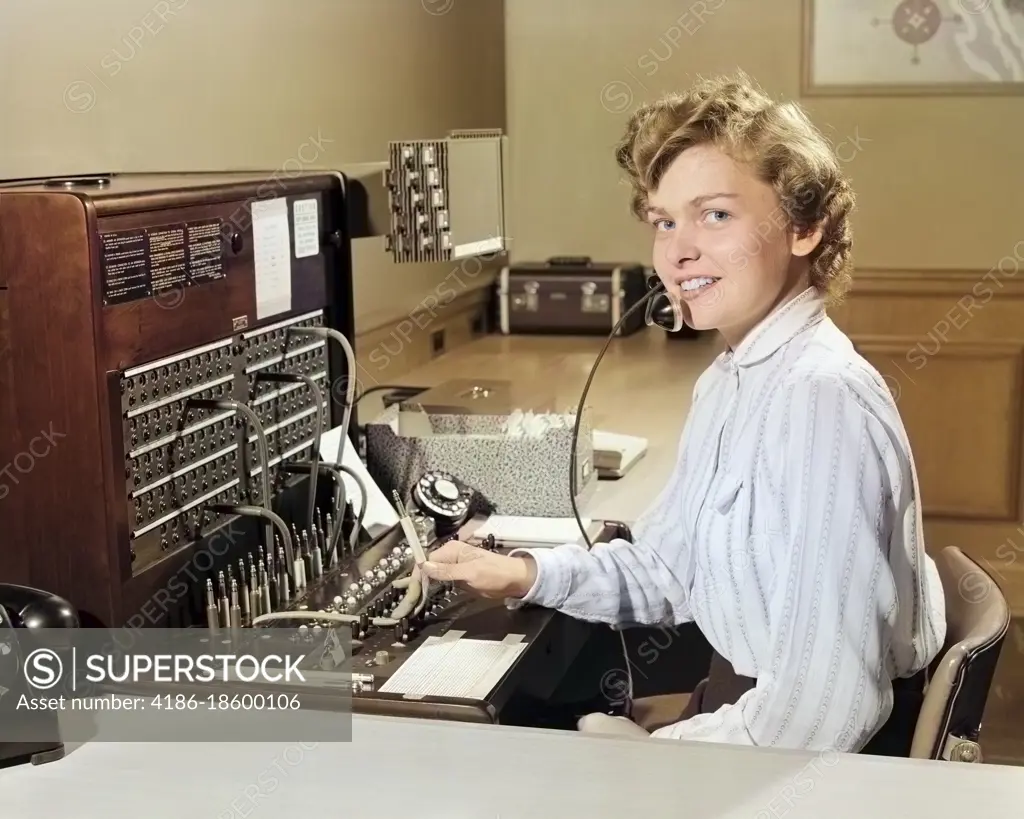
805	241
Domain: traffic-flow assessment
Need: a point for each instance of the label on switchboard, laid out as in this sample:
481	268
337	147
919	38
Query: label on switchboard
272	257
124	263
137	264
306	224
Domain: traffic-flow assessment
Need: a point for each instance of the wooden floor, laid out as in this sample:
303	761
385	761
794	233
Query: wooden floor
644	387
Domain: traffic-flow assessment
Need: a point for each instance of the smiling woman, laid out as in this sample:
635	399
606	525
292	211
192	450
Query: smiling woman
747	201
790	528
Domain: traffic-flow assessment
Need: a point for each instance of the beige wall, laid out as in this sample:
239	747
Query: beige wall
135	85
939	206
931	174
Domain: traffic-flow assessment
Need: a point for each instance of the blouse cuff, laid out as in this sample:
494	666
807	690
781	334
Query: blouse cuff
551	586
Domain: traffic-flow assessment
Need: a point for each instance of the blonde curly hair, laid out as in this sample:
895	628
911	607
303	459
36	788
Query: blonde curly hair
775	139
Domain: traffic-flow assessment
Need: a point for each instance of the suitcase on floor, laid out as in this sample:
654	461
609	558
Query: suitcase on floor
570	296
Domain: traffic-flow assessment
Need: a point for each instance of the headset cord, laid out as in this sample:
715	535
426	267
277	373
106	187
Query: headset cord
573	486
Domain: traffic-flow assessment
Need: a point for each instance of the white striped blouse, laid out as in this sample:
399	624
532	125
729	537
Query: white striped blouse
790	532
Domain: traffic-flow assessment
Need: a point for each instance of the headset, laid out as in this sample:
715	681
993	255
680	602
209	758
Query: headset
662	308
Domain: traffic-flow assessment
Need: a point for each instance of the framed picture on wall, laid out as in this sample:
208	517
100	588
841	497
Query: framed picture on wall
913	47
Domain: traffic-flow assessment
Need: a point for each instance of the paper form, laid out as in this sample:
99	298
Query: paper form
467	669
307	228
272	257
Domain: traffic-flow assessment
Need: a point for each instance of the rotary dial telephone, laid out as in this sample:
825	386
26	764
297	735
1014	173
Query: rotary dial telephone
445	498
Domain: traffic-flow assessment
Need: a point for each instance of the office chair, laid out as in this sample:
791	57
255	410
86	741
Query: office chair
949	724
977	619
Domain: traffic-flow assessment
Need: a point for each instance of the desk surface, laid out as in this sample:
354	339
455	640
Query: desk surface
643	387
412	769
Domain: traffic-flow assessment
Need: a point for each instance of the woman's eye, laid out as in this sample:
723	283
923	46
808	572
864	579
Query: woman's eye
719	213
664	224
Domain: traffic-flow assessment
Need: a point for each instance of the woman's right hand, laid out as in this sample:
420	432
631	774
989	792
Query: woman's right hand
486	573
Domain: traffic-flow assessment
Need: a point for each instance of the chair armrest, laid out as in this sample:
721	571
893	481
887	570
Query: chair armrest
616	529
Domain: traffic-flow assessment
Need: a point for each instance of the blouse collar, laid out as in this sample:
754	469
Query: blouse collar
779	327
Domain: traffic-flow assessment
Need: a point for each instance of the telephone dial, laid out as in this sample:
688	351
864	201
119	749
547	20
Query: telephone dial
22	610
444	498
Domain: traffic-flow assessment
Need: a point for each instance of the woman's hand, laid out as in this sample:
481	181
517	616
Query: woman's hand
486	573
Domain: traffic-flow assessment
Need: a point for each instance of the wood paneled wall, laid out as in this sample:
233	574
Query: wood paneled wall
950	344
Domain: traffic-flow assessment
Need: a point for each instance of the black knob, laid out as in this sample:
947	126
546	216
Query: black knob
399	634
237	243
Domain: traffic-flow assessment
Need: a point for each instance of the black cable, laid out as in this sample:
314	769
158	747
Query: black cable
383	387
657	290
335	471
318	398
241	408
361	428
573	486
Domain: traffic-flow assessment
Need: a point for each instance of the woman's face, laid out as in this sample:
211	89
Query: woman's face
722	243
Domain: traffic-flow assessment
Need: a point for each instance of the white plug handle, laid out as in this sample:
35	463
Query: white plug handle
412	536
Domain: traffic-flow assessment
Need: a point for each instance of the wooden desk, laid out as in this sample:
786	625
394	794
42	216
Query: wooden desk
398	769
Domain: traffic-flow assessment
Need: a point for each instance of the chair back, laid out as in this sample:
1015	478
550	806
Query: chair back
977	619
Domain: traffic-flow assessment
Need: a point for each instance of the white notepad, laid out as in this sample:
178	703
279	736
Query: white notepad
510	530
615	454
467	669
